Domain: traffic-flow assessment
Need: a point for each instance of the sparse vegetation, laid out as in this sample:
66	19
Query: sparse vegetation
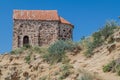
89	48
21	50
86	76
58	47
117	69
113	66
43	78
27	58
53	58
99	37
109	67
65	60
37	49
65	71
108	29
27	46
56	52
17	51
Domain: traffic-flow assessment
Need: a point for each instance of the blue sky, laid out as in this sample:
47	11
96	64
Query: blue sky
86	15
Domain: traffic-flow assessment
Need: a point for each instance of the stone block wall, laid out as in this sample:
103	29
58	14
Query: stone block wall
48	32
65	32
39	32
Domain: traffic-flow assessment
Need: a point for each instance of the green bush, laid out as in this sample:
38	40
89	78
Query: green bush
118	73
105	32
90	46
89	50
61	46
58	47
97	39
109	67
113	66
71	46
27	58
117	69
108	29
53	58
56	51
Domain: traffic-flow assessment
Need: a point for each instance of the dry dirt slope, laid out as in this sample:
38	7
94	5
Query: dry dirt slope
15	66
97	61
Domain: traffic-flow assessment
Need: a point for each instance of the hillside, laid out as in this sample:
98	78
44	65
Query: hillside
15	66
65	60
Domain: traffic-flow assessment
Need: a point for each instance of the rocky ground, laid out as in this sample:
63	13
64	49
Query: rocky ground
15	67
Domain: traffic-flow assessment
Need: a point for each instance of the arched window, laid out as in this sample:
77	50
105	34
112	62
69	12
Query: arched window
25	40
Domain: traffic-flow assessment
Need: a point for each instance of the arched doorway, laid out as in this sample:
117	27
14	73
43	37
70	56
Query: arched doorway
25	40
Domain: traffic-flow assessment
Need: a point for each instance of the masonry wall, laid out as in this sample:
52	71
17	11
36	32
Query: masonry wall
48	32
65	31
39	32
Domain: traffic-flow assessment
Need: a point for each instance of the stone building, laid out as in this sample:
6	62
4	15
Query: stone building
39	27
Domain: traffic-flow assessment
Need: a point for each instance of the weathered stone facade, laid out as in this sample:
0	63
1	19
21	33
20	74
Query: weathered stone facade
39	32
65	31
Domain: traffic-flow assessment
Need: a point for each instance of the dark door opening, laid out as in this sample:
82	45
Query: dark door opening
25	40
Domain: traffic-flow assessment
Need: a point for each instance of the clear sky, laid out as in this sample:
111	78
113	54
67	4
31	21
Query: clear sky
86	15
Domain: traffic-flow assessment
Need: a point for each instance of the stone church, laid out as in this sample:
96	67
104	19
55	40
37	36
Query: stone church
39	28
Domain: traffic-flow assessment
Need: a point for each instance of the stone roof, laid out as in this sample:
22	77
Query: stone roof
47	15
